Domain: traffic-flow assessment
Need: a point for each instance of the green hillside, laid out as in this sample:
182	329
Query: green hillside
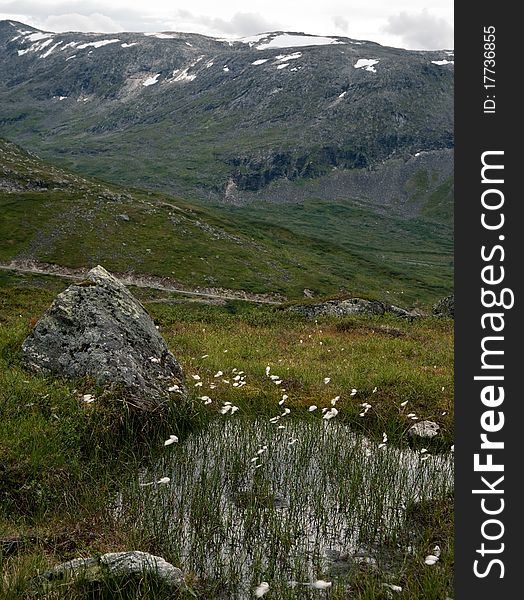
53	216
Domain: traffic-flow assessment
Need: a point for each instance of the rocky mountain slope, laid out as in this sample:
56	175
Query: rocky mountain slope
231	120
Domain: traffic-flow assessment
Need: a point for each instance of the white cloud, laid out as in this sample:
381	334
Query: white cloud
422	31
240	24
399	24
341	23
77	22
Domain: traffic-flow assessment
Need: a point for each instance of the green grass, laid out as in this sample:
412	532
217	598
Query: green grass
63	460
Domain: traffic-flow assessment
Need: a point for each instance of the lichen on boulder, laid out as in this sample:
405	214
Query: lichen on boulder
115	564
445	307
97	328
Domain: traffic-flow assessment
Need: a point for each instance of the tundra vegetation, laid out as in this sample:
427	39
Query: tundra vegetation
247	483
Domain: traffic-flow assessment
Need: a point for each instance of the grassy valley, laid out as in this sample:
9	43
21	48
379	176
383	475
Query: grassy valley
53	216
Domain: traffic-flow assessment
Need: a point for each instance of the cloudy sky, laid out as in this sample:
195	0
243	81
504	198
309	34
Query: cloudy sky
413	24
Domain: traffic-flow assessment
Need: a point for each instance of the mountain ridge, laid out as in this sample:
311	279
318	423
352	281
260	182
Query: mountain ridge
190	113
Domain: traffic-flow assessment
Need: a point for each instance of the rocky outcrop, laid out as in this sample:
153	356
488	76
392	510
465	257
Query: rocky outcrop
351	306
424	429
445	307
116	564
97	328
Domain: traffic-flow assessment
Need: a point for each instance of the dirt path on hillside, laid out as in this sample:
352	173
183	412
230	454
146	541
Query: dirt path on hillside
142	281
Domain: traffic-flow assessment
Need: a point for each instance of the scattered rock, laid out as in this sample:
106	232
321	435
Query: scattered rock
97	328
11	546
351	306
308	293
129	563
424	429
445	307
116	564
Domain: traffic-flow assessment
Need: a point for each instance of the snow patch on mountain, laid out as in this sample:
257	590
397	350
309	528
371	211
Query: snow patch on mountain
251	40
161	36
288	40
151	80
367	64
183	75
98	44
40	35
286	57
50	51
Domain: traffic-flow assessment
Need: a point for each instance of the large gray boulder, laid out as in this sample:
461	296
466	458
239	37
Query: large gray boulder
97	328
116	564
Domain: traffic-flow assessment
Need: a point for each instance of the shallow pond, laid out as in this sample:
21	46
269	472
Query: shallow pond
293	501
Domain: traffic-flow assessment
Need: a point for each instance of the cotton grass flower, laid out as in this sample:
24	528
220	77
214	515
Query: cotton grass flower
218	374
393	588
228	407
312	408
320	584
431	559
326	380
172	440
161	481
330	414
262	589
